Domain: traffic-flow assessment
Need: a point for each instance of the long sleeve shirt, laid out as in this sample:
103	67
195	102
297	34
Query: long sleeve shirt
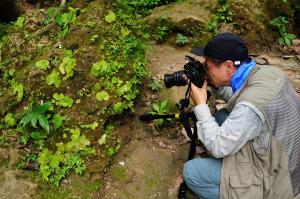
243	124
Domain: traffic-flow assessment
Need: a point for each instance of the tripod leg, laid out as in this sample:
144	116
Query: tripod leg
182	190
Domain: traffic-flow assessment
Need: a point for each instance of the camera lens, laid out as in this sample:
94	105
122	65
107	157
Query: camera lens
176	79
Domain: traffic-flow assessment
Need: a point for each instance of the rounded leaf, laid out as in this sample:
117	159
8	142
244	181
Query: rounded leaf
102	95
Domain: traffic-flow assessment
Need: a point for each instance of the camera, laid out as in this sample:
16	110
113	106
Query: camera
193	70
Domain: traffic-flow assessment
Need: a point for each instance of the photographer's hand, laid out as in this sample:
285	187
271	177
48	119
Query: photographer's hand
199	95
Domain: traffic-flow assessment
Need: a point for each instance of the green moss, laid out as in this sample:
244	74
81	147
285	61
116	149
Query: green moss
119	173
83	187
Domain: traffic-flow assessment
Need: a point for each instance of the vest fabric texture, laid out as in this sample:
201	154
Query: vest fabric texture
269	165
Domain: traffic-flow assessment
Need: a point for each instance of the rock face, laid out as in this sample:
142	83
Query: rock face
90	58
250	19
14	183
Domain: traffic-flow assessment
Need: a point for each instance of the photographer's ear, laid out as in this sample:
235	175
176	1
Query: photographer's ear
230	68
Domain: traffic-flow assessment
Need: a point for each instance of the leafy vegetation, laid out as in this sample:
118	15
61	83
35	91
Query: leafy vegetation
285	38
42	64
160	33
20	22
65	19
141	7
160	108
181	39
53	78
67	66
223	14
155	85
54	166
18	89
62	100
35	115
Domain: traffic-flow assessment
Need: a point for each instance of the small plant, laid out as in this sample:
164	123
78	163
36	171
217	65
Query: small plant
92	126
101	68
154	85
42	64
110	17
67	66
160	108
20	22
35	115
94	38
18	89
62	100
114	149
10	120
53	78
57	121
51	13
213	25
64	20
54	166
285	38
181	39
160	33
225	14
107	131
102	95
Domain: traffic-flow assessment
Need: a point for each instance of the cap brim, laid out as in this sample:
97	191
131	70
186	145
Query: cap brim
198	51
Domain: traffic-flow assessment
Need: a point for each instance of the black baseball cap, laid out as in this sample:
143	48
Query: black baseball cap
225	46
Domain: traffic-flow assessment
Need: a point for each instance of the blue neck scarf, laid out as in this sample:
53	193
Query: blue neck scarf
239	77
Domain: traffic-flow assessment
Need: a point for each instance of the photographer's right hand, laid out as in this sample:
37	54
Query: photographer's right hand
199	95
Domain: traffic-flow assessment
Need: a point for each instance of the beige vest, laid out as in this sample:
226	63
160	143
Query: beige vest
260	169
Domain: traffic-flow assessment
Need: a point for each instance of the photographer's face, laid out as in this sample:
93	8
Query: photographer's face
220	74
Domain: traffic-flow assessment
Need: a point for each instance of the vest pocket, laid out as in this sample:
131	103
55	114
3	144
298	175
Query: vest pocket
245	187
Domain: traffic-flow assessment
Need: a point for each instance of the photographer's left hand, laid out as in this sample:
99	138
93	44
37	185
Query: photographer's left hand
199	95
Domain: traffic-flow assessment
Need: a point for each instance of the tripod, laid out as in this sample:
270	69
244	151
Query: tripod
184	118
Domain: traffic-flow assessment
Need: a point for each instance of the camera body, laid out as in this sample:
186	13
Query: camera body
193	71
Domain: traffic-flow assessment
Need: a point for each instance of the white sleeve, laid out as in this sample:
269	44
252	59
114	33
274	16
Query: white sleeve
244	123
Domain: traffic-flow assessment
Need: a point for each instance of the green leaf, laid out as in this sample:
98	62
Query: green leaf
63	100
67	66
19	90
159	122
118	107
125	32
43	121
102	95
36	135
57	121
287	41
281	41
290	36
10	120
42	64
111	17
33	119
20	22
156	108
26	119
53	78
102	140
163	105
44	107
